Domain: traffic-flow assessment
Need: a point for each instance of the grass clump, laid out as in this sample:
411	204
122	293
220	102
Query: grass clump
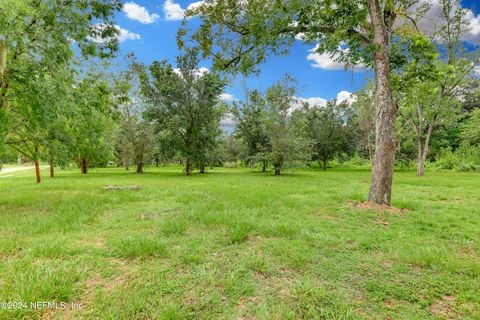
138	247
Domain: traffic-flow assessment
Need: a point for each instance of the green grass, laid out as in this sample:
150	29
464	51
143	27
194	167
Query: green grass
237	244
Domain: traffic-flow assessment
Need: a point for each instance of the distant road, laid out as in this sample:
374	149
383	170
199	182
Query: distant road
12	171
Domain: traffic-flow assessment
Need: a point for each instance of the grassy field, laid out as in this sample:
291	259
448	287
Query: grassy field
237	244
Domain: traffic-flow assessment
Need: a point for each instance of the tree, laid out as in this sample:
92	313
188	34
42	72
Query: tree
242	34
184	105
364	121
38	35
58	144
251	128
431	80
134	133
233	148
134	138
35	42
287	143
327	131
92	124
35	117
471	130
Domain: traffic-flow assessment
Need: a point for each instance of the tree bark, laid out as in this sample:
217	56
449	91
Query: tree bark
3	58
188	167
264	166
202	167
423	145
386	112
84	166
140	163
3	68
324	162
278	170
52	170
37	164
37	170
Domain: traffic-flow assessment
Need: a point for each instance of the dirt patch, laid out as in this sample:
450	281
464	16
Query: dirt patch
149	216
116	282
389	303
328	217
379	207
382	223
94	242
443	308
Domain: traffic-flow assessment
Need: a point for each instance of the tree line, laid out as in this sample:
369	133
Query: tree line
56	105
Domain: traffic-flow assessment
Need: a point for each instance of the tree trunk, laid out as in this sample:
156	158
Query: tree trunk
37	164
3	67
3	58
278	169
202	167
423	145
84	167
157	162
264	166
140	163
188	167
324	164
52	170
37	170
386	112
369	148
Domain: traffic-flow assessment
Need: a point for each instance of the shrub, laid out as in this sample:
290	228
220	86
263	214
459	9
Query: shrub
465	158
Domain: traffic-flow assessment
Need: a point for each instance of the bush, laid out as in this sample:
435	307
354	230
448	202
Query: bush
230	165
465	158
357	162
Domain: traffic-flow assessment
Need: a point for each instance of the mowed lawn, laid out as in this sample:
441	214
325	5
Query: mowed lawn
238	244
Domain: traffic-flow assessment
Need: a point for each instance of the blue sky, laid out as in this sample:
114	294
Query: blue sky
149	30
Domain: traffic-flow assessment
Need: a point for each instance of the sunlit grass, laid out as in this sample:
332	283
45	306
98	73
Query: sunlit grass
234	243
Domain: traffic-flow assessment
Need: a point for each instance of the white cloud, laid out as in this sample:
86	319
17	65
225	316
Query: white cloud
126	35
476	71
226	97
433	20
139	13
298	102
173	11
228	122
199	72
318	102
346	96
429	23
122	35
195	5
473	35
329	61
313	101
203	70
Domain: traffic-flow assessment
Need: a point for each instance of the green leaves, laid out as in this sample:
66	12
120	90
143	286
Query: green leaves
184	104
471	130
